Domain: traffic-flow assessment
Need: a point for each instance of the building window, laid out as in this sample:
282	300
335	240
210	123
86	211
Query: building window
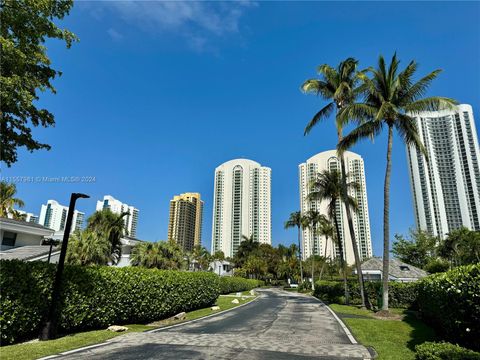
9	238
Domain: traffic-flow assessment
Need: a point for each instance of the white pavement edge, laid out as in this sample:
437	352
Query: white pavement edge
342	324
148	331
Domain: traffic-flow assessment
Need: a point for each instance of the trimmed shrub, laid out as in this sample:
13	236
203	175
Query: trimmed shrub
401	295
229	284
444	351
329	291
450	302
96	297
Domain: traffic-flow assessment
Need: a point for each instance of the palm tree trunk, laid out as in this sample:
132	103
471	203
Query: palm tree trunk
386	221
325	259
313	264
300	255
351	229
342	261
313	255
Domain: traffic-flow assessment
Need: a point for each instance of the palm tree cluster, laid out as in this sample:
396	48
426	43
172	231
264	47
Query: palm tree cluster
275	265
164	255
100	242
371	100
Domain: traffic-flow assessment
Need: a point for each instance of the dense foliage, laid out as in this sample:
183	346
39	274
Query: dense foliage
26	70
96	297
418	249
460	247
88	248
235	284
450	302
111	227
401	295
161	255
444	351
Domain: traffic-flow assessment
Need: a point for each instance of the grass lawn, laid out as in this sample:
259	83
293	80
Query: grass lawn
37	349
392	339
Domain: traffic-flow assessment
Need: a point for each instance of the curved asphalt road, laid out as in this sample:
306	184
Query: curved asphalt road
277	325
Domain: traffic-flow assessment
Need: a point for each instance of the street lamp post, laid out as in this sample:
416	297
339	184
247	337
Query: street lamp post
51	242
49	330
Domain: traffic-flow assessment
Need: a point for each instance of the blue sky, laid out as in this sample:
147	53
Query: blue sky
156	95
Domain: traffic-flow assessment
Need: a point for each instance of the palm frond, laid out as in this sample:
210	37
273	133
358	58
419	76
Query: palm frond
407	129
318	87
433	103
329	73
405	77
418	89
347	68
324	113
359	112
368	129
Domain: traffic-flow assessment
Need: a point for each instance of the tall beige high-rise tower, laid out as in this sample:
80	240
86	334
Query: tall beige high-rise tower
185	225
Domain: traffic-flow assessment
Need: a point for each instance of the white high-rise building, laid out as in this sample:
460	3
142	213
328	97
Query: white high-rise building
446	186
117	207
313	243
241	205
54	216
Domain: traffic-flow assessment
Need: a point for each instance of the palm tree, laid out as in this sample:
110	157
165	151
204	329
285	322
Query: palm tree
314	218
8	199
340	87
160	255
111	226
326	230
201	255
299	221
328	186
17	215
256	266
247	247
391	97
88	248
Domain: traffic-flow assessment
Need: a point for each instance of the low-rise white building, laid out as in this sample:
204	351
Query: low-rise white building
221	267
128	243
23	240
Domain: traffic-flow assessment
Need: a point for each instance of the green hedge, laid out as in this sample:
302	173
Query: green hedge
444	351
401	295
450	302
96	297
229	284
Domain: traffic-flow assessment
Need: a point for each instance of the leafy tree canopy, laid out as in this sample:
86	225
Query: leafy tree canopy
417	250
26	69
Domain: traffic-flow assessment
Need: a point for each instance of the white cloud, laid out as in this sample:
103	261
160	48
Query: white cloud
197	21
114	34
